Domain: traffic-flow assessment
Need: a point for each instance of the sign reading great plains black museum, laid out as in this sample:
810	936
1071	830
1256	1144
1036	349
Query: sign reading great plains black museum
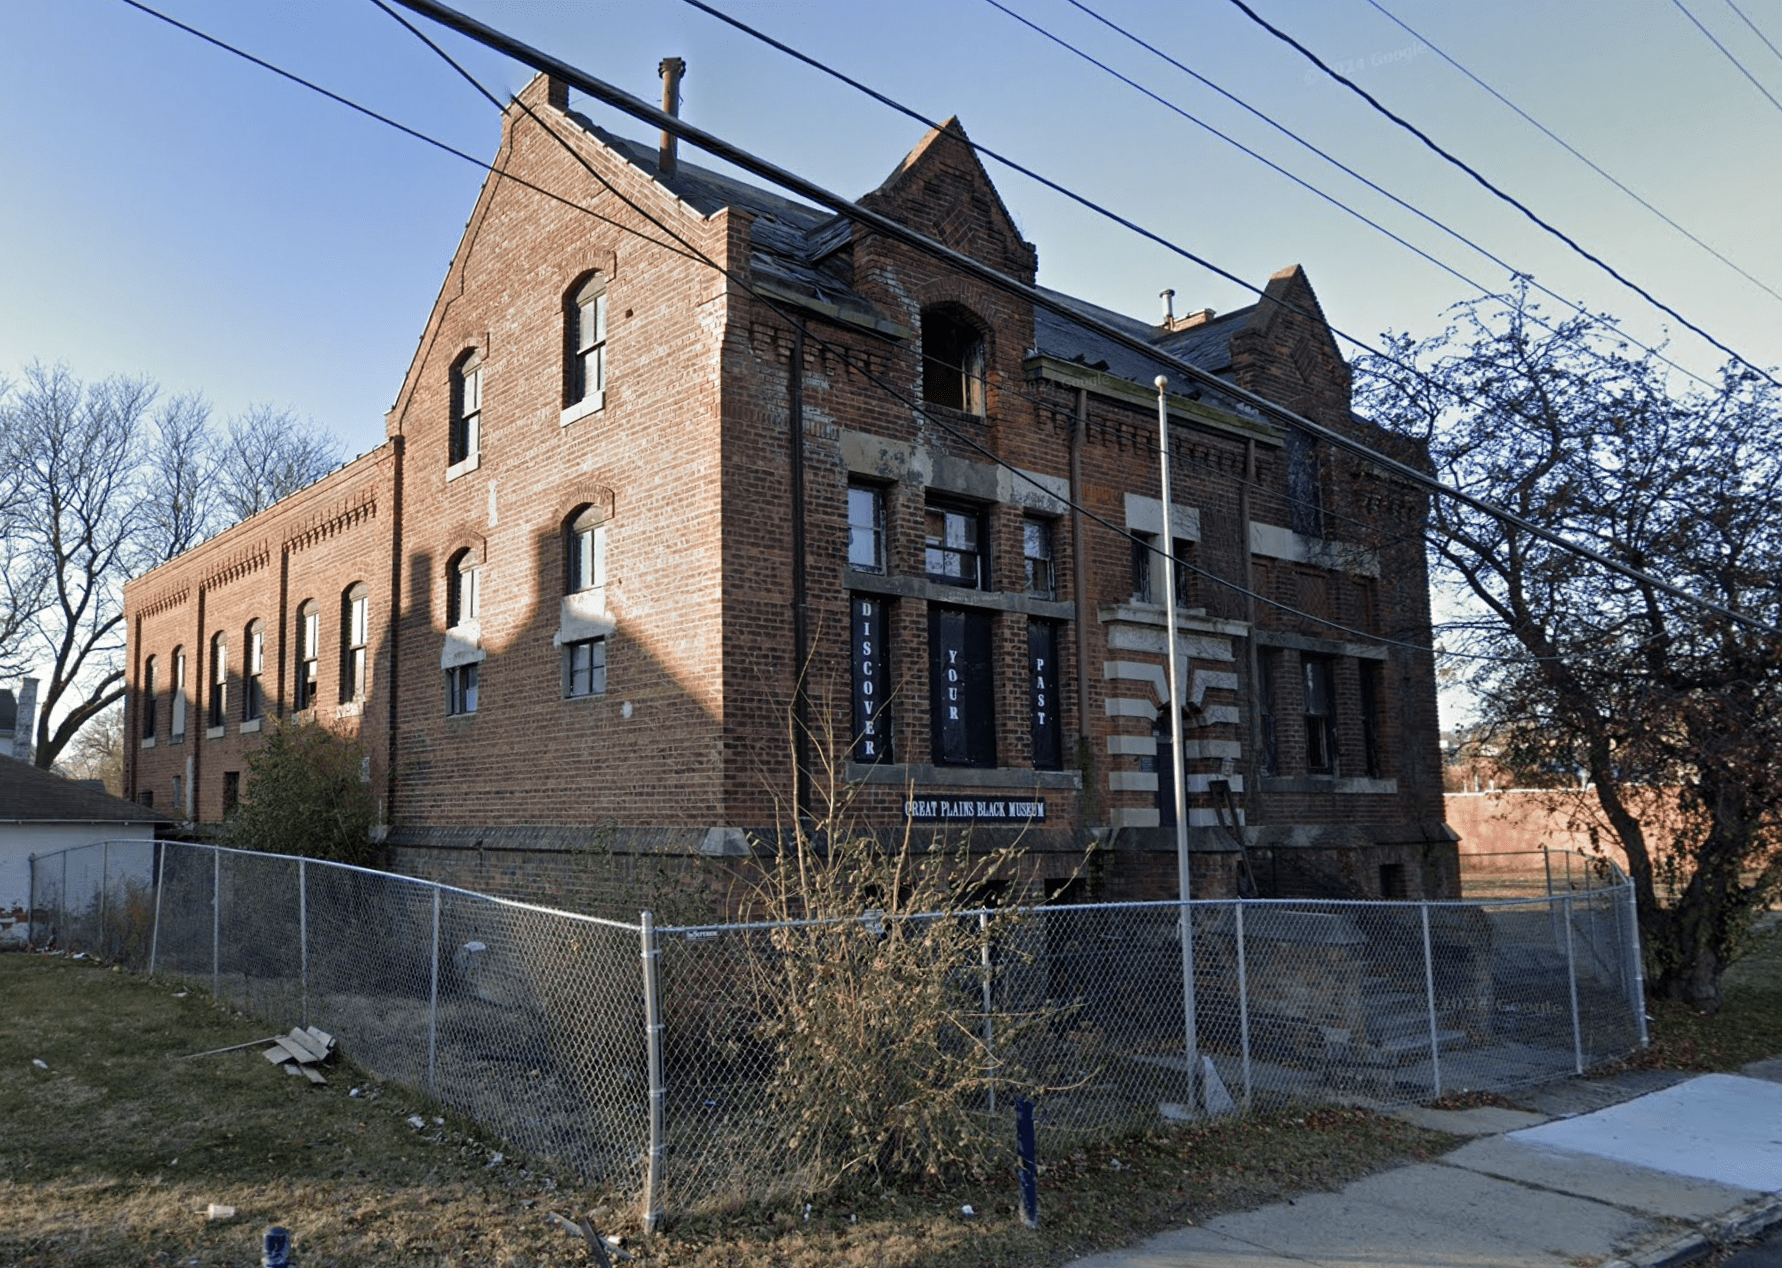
975	809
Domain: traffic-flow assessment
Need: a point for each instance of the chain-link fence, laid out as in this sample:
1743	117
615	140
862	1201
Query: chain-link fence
691	1065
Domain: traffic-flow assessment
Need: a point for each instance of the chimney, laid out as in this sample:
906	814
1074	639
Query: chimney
27	720
671	69
1169	308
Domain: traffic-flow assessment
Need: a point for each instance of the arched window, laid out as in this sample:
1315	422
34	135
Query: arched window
355	641
148	698
464	587
309	643
219	683
584	348
177	725
253	699
467	408
584	540
952	359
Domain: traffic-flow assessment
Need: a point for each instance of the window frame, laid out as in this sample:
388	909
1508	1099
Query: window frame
307	666
147	697
464	589
462	690
584	348
176	720
596	650
1373	753
465	440
355	640
954	350
217	708
872	496
972	513
253	692
588	526
962	687
1268	711
1320	723
1044	529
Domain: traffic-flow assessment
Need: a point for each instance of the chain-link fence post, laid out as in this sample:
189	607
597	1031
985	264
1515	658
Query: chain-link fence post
303	935
160	862
1243	988
1435	1042
989	1031
1571	981
433	1002
652	1213
104	891
1637	963
31	902
216	921
62	924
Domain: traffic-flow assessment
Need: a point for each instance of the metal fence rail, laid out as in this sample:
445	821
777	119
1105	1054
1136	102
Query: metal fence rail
650	1059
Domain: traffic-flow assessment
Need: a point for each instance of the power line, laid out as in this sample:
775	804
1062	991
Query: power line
1328	158
896	231
1726	52
1567	145
1166	553
1754	29
742	158
1498	193
386	120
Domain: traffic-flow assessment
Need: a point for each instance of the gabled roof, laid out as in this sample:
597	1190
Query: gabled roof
30	794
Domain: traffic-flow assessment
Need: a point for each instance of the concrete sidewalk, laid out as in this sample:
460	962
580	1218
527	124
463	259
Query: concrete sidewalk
1649	1168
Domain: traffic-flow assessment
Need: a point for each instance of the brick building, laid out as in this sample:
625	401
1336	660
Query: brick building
668	437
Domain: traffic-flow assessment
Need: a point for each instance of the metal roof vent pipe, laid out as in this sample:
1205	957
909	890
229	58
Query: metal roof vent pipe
1169	307
671	69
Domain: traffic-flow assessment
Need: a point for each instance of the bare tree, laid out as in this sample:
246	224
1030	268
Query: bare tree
98	751
77	448
267	454
181	505
1580	669
24	581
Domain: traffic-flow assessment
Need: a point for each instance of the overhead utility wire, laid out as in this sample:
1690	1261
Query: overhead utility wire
889	389
389	122
1563	144
899	232
882	99
1334	162
1485	184
1125	223
1726	52
690	252
1754	29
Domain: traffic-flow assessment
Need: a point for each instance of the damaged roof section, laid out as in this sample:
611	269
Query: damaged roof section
800	255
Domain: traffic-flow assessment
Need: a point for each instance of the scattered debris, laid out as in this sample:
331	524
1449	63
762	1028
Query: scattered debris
357	1092
602	1249
296	1052
181	994
218	1213
80	955
495	1160
416	1121
40	1063
1218	1099
967	1212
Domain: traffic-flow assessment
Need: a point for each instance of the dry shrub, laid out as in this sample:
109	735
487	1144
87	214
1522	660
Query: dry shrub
868	990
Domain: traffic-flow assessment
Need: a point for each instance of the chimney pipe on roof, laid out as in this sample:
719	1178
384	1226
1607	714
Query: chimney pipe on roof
1169	307
671	69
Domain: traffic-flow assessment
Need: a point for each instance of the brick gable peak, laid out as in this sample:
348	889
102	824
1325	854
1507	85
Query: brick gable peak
942	190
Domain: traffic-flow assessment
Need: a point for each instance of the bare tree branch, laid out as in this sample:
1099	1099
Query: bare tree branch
267	454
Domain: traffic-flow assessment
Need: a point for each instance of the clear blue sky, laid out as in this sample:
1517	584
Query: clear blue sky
172	211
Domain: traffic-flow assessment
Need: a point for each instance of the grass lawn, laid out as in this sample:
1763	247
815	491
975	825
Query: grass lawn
110	1155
